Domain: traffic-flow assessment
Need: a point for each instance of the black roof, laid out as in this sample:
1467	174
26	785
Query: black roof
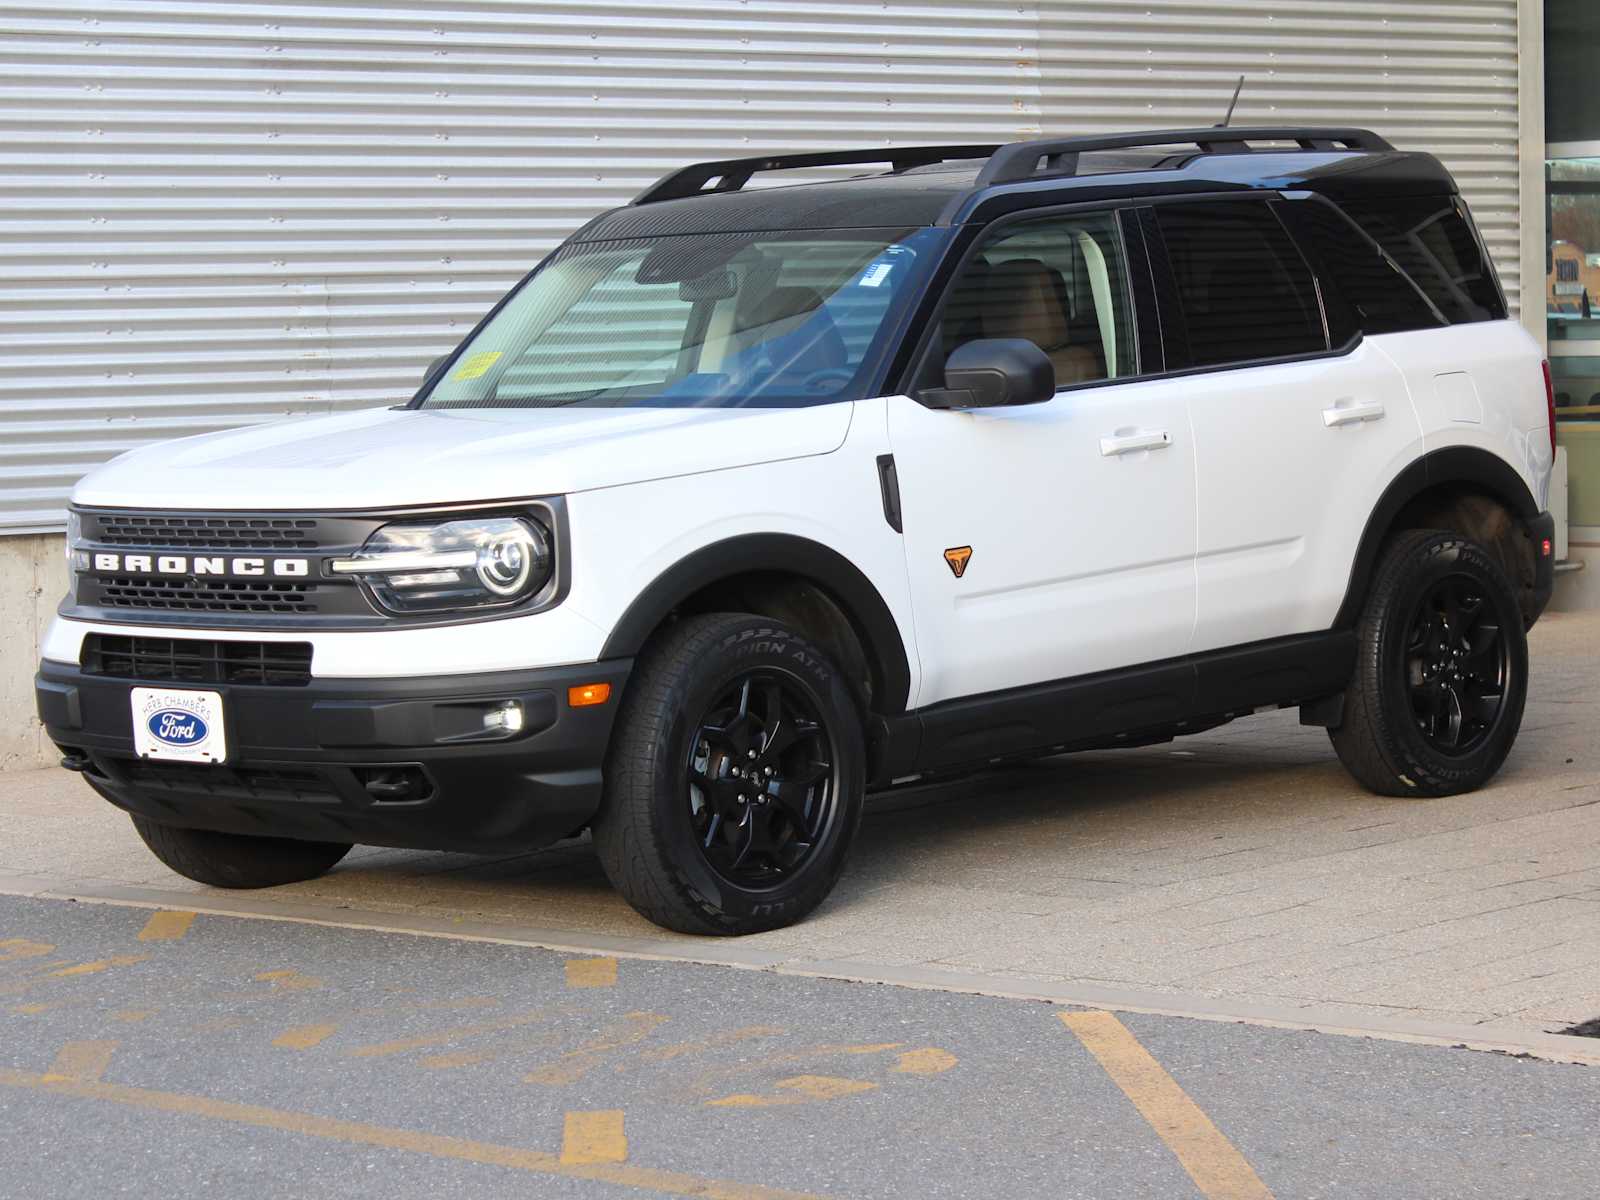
951	185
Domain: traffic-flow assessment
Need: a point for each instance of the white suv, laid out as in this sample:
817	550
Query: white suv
747	501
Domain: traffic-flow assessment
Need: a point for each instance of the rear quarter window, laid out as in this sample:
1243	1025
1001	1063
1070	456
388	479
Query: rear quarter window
1431	239
1376	295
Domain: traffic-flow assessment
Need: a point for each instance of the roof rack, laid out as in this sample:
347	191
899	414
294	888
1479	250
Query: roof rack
1020	160
732	174
1006	163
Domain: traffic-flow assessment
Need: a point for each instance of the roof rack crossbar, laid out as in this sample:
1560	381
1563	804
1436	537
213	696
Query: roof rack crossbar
1020	160
733	173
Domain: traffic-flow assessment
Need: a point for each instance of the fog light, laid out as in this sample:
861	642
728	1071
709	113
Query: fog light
505	718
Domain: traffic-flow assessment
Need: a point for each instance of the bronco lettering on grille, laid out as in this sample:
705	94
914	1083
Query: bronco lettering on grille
198	565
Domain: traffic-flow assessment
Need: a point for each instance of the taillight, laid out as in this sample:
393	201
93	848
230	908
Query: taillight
1550	404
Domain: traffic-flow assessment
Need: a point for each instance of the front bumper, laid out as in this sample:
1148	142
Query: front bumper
388	762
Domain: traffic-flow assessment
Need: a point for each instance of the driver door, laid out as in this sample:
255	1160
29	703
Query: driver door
1057	539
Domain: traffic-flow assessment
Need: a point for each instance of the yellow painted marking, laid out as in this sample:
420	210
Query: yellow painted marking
726	1038
672	1183
304	1037
83	1061
443	1037
930	1060
12	949
289	980
166	926
575	1064
29	1010
94	968
1217	1168
594	1137
133	1014
591	972
801	1089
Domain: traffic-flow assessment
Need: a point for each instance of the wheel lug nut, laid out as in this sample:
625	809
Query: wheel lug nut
749	753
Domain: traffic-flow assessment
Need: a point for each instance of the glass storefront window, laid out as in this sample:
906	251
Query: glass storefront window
1572	285
1572	308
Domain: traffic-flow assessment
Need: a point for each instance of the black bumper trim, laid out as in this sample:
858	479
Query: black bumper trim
390	762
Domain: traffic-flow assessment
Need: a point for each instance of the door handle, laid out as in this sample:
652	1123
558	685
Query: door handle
1348	412
1128	443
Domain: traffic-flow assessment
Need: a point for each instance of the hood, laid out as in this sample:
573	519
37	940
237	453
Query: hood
384	458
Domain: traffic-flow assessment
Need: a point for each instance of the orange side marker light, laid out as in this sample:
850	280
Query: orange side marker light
588	694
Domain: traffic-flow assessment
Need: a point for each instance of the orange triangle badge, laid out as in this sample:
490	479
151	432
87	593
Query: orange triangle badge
957	557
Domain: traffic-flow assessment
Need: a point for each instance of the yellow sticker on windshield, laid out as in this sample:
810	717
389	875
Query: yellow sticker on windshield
475	365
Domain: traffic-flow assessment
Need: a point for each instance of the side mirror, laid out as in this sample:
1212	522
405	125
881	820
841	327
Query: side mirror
994	373
433	368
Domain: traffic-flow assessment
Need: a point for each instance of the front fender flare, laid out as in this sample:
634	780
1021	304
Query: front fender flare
829	570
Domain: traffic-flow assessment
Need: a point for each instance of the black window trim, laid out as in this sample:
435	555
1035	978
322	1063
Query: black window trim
1172	309
1138	280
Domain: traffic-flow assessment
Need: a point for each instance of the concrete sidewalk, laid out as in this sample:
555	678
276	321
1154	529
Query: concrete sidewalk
1240	871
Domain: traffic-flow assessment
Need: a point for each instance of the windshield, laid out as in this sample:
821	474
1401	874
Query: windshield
773	319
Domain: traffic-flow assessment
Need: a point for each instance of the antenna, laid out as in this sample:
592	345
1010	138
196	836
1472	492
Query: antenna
1238	87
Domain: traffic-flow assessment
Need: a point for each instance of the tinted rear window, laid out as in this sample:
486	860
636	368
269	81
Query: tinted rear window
1432	241
1379	296
1246	292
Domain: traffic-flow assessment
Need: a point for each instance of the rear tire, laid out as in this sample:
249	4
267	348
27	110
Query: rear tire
1441	670
735	778
236	860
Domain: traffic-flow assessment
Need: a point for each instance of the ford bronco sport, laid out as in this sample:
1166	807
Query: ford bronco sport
748	501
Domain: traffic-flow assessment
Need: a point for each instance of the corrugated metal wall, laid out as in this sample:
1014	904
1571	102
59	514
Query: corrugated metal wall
215	213
212	214
1436	75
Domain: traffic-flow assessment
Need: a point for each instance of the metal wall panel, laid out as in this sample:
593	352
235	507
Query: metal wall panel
217	213
1435	75
212	214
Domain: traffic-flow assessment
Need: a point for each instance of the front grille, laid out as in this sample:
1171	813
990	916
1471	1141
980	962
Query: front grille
206	595
195	660
228	783
187	531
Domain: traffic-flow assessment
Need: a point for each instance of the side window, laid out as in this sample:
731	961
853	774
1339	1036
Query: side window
1381	297
1059	282
1432	240
1245	290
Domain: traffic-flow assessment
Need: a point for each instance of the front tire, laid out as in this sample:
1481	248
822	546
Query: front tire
236	860
1441	670
735	778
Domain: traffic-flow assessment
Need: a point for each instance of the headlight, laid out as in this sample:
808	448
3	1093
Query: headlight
478	562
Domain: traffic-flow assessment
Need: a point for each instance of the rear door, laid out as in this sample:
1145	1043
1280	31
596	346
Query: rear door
1295	439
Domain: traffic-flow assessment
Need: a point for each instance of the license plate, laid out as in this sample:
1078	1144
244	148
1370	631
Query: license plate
181	725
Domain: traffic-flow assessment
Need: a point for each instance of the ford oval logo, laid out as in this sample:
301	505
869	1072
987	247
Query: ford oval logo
176	727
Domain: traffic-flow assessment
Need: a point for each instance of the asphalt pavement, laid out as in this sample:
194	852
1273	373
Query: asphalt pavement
158	1053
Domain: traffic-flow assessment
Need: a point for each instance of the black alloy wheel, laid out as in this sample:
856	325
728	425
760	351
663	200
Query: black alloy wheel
735	778
760	779
1456	663
1441	670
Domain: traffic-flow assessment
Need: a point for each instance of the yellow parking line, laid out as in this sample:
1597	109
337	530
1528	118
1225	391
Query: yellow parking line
304	1037
83	1061
166	926
1217	1168
591	972
673	1183
444	1037
594	1137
